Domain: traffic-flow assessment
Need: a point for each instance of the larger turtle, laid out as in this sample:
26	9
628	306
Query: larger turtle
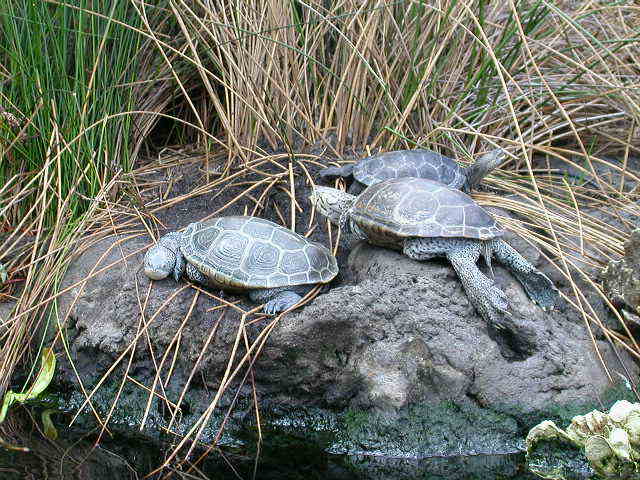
426	219
274	264
416	163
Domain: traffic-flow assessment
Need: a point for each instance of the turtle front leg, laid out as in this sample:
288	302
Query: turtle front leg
538	286
489	300
179	267
195	275
279	299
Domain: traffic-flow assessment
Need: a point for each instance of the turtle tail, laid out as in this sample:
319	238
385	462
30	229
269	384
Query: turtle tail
487	253
330	172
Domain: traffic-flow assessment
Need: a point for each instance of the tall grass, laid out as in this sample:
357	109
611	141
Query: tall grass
377	72
67	75
552	80
67	72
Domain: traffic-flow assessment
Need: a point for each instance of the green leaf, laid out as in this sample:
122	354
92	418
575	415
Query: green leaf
3	273
45	375
9	399
41	382
49	429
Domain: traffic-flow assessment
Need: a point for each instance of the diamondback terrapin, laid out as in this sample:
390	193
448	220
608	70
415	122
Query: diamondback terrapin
418	164
426	219
274	264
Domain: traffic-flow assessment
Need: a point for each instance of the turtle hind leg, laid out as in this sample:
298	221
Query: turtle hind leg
488	299
278	299
486	296
538	286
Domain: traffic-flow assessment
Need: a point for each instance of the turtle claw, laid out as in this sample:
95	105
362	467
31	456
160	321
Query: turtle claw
492	304
270	308
495	307
282	302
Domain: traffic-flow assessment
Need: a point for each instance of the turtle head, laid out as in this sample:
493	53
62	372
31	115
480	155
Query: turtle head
161	260
331	202
483	166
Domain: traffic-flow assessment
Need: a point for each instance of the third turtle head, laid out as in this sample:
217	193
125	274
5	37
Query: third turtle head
331	202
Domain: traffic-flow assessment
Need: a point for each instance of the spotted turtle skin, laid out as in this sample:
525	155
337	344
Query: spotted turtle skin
243	253
395	209
410	163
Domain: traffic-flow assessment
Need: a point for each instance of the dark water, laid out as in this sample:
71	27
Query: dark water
75	457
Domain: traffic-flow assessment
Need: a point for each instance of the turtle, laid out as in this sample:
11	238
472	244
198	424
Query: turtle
420	163
242	253
424	219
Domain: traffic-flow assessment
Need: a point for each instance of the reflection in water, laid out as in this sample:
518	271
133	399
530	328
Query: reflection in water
63	459
75	458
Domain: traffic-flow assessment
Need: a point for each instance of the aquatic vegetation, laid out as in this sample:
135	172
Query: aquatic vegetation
609	442
40	384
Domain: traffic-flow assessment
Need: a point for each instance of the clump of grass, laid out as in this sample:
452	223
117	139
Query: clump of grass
68	72
302	69
66	78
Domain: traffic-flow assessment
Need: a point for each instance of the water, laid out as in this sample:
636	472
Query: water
74	457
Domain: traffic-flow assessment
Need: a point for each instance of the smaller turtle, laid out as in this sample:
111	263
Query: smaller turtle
419	164
274	264
425	219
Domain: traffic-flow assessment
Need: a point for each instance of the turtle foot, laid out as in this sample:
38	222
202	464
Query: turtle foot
538	286
489	299
540	289
498	299
494	306
282	302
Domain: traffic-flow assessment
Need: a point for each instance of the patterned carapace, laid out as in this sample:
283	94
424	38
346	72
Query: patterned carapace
248	252
417	207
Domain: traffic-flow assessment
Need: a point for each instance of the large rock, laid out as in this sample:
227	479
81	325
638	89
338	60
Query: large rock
403	338
414	336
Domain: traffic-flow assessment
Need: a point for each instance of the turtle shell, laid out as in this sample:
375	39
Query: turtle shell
409	163
417	207
249	252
